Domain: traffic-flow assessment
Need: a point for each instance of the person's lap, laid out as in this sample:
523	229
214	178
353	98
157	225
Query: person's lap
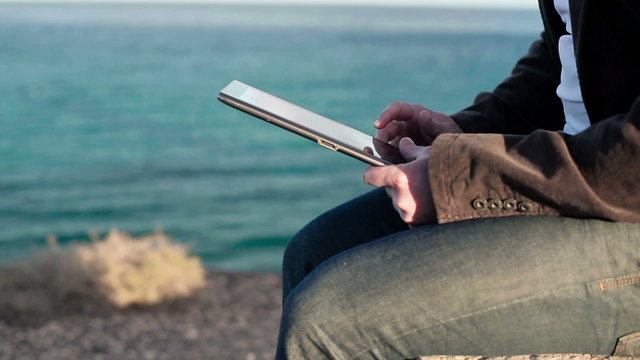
488	287
358	221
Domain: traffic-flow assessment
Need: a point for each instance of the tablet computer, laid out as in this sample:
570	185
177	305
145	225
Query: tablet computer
327	133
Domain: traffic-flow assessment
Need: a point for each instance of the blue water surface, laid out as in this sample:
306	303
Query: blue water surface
109	117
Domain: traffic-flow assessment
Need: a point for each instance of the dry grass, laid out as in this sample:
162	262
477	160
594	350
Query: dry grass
117	271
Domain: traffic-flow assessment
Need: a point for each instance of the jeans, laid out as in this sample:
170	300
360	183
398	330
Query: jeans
359	284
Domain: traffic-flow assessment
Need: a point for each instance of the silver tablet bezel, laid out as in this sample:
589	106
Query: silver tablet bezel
232	95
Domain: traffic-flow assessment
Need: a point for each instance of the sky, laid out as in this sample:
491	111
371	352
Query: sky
448	3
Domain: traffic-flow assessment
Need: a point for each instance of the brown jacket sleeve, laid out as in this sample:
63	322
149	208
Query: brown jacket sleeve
592	174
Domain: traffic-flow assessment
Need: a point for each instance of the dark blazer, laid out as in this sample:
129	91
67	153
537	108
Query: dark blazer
514	160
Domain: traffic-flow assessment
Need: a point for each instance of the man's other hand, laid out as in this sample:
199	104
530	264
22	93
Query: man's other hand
422	125
407	184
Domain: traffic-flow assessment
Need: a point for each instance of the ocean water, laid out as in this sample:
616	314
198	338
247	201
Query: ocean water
109	117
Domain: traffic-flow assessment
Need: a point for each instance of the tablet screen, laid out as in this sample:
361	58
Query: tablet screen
328	133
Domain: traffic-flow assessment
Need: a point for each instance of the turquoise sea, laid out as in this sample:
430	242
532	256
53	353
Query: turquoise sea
109	117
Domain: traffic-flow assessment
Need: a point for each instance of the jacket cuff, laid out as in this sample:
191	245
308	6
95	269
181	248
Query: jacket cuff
465	185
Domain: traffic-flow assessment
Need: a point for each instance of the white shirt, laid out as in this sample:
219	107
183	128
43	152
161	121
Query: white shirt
576	118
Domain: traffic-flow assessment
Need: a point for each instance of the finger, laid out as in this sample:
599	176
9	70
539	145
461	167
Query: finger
375	175
394	197
405	206
430	127
438	123
395	111
389	191
390	132
380	176
403	201
402	213
408	149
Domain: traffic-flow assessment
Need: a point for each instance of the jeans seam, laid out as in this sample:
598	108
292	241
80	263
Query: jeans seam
516	301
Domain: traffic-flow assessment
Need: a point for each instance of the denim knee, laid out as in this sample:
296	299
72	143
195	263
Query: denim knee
305	332
296	262
361	220
296	330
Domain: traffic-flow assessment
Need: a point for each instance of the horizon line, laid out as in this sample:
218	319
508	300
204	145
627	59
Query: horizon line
493	4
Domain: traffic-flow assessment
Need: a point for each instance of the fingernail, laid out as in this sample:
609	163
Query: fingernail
376	123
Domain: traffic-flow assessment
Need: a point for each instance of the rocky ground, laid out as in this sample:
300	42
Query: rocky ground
235	317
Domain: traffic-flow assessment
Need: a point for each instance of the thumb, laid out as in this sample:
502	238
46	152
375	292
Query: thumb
408	149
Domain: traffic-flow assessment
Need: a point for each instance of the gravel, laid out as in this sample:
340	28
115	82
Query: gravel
235	317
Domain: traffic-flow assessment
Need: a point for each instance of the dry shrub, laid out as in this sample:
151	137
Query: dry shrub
117	271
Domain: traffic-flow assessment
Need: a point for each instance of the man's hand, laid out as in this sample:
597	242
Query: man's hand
422	125
407	184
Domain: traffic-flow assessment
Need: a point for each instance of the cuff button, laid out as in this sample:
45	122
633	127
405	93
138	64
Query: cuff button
494	204
524	206
510	204
479	204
